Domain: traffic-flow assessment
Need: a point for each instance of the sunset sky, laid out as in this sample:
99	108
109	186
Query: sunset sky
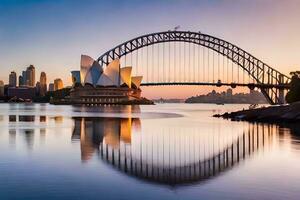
52	34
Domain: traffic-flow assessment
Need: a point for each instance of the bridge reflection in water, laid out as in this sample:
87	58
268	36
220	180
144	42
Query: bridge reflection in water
168	156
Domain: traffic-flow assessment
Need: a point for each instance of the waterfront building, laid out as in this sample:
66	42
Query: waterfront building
13	79
30	76
1	88
111	85
21	92
58	84
43	84
51	87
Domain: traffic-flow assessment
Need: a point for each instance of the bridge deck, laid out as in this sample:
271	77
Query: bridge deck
250	85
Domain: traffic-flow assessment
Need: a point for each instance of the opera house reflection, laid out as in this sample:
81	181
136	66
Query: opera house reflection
95	133
167	156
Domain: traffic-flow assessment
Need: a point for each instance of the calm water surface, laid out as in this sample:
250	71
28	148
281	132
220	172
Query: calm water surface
165	151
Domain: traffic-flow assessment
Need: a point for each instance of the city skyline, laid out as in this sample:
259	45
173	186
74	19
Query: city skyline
28	78
54	43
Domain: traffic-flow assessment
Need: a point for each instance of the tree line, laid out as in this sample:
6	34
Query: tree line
293	94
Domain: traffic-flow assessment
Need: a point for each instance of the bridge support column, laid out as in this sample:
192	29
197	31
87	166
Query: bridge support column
281	96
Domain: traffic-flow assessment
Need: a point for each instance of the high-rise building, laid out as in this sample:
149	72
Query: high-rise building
51	87
24	83
13	79
30	76
43	84
38	88
21	81
1	88
58	84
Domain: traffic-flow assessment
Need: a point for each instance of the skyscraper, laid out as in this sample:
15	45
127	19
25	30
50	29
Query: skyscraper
1	88
43	84
21	81
38	88
24	83
51	87
58	84
30	76
13	79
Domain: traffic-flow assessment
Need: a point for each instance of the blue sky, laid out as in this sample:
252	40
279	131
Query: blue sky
52	34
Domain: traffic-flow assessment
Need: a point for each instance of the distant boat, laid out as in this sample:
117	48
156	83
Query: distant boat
220	103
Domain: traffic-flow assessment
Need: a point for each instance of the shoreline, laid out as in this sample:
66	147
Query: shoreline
142	101
273	114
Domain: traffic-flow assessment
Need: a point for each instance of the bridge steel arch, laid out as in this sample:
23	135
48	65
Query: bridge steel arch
271	82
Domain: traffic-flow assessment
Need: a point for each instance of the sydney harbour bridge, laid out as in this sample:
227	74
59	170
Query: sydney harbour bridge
194	58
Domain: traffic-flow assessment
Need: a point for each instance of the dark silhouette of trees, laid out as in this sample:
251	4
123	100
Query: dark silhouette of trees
294	94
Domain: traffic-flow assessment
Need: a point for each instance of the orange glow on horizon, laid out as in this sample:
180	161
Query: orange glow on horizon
183	92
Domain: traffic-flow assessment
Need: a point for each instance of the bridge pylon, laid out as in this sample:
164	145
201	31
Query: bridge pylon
281	96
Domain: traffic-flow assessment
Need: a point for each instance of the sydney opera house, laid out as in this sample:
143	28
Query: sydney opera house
110	85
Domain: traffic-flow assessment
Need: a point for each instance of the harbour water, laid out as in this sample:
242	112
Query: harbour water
164	151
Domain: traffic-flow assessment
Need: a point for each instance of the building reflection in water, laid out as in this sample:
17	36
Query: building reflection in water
12	118
58	119
29	137
167	156
43	119
96	132
12	137
28	133
26	118
43	135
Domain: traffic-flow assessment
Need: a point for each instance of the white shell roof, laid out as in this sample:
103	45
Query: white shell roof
91	72
86	63
112	71
126	76
137	80
104	80
88	78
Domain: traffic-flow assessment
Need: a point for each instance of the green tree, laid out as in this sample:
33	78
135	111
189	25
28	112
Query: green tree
294	94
